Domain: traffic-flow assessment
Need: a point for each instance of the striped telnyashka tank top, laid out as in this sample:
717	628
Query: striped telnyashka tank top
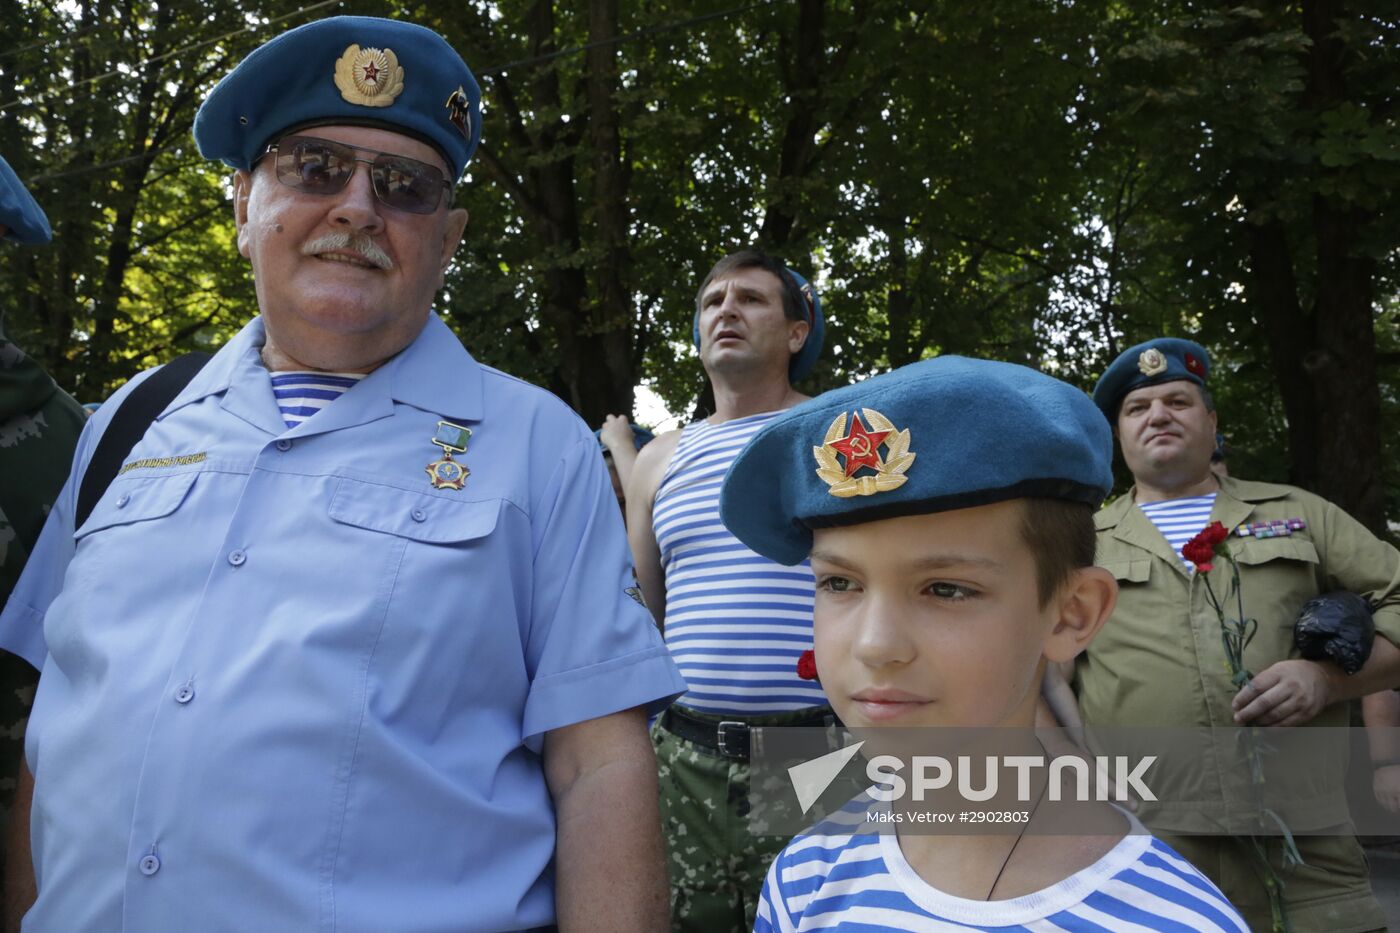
301	394
736	622
1180	520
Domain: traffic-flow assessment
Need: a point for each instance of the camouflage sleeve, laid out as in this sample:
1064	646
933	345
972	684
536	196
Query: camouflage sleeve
22	620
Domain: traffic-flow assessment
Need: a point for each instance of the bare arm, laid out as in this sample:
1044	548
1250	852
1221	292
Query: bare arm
616	435
20	890
610	862
641	495
1381	714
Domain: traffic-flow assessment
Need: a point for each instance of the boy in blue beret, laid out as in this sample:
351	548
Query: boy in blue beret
947	509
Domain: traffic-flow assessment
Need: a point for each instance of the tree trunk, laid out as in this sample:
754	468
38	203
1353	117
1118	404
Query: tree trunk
1341	365
609	372
899	300
803	61
1274	297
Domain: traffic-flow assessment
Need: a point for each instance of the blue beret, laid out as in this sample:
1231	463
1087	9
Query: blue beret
955	433
20	212
356	70
1166	359
802	362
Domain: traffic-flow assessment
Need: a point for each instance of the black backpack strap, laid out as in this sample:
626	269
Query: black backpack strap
135	414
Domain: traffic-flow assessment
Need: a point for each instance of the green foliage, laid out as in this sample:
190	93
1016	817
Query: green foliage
1041	182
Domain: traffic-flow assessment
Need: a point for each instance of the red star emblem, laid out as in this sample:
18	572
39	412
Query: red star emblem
371	73
1194	366
860	447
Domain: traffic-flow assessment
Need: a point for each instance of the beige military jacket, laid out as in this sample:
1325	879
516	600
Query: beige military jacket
1159	660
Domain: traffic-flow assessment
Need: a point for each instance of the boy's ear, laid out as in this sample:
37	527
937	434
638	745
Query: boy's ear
1084	603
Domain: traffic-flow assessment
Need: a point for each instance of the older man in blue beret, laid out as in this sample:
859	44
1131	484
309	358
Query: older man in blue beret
39	426
1160	661
346	644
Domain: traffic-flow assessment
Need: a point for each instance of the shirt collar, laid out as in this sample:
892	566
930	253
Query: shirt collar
434	373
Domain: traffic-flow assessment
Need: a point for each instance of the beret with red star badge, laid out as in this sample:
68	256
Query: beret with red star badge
350	70
941	434
1166	359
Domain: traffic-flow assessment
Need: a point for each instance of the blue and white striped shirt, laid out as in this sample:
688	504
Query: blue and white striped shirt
301	394
863	883
1180	520
736	622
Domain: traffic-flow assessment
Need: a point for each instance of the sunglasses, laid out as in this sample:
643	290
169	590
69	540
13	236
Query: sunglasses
320	166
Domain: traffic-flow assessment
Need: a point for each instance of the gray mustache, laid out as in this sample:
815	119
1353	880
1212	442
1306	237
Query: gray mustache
357	242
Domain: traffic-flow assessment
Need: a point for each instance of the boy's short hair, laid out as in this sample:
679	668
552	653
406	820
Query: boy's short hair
1061	537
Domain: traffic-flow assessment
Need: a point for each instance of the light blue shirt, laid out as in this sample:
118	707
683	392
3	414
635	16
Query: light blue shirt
289	685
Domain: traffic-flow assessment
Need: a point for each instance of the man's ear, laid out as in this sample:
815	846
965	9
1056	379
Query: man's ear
797	335
242	187
1084	604
452	235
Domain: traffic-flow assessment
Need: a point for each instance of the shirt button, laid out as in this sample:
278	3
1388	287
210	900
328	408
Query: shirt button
284	445
418	515
121	503
149	864
237	558
184	693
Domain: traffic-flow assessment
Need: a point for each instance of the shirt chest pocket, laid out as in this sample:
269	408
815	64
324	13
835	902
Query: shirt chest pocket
432	568
413	516
1277	575
133	500
1129	571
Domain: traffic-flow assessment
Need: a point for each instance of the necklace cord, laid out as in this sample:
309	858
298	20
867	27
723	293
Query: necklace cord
1019	836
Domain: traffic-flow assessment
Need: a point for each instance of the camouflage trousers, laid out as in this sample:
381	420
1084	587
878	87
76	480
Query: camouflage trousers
716	857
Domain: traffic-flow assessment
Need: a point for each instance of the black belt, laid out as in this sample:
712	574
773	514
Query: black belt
729	738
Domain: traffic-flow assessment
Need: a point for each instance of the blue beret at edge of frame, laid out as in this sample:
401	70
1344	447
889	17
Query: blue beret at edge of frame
805	359
20	212
314	75
1150	363
981	431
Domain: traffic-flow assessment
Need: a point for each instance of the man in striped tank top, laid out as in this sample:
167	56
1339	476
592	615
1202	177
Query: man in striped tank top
736	623
1159	661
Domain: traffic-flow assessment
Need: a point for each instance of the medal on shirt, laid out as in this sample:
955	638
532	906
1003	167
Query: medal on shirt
444	472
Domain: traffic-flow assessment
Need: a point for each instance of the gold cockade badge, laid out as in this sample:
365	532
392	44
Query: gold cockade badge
369	77
1151	362
861	448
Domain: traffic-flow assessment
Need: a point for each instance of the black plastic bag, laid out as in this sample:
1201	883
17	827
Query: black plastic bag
1336	626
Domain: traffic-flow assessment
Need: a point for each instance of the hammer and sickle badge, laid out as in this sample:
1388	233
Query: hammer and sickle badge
860	448
369	77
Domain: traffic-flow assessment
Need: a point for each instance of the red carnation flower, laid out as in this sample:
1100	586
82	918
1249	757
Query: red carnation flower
807	665
1201	550
1215	533
1200	554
